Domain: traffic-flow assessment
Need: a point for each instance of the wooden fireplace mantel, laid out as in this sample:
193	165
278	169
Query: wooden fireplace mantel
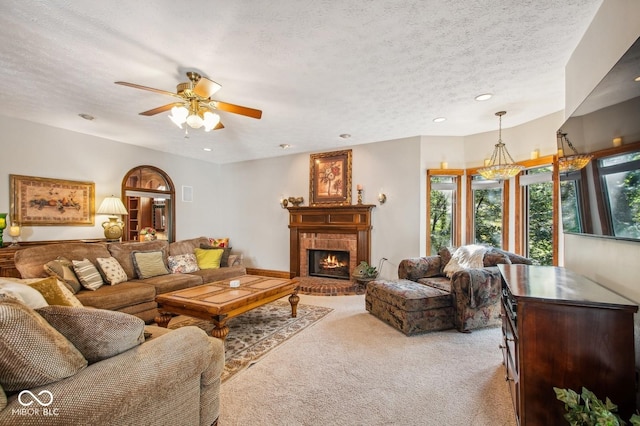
351	219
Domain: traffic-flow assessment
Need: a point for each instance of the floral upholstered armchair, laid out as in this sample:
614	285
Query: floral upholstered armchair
475	291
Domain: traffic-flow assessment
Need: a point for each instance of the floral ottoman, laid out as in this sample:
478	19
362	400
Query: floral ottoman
409	306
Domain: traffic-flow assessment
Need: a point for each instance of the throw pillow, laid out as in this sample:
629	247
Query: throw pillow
183	263
55	292
149	264
111	270
97	333
32	352
62	268
224	261
88	274
219	242
445	256
27	295
208	259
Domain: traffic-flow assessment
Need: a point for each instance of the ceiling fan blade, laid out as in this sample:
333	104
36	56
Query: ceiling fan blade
205	88
161	109
236	109
150	89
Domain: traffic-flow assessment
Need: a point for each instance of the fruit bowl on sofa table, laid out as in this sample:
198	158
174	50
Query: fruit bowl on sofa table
94	366
136	295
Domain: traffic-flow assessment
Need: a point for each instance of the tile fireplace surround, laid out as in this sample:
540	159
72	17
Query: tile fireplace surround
345	228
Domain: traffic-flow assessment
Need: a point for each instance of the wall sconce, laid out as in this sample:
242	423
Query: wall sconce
382	197
617	142
283	202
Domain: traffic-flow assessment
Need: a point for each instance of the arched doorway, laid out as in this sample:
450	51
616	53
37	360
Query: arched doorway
149	195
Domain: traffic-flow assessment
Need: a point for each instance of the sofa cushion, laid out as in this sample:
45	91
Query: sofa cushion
208	259
408	295
111	270
211	275
172	282
419	267
29	296
186	246
182	263
441	283
30	261
149	264
514	258
97	333
122	253
32	352
116	297
88	274
54	292
62	268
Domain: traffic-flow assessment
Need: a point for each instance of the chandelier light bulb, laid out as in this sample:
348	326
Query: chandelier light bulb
179	115
211	120
195	121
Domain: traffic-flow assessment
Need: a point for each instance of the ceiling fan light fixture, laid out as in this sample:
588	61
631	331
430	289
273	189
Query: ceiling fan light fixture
195	121
211	120
179	115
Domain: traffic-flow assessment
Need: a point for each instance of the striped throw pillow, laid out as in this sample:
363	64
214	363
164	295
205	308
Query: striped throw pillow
88	274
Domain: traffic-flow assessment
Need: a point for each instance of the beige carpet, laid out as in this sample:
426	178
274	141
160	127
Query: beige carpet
255	333
352	369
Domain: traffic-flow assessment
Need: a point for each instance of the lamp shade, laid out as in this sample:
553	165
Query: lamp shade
112	206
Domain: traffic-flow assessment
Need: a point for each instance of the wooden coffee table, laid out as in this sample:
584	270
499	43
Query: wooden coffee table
218	302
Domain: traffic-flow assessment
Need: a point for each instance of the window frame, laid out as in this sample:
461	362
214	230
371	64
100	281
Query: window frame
470	231
456	220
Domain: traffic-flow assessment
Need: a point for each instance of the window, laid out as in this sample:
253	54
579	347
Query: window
620	179
443	209
537	210
150	200
572	213
489	208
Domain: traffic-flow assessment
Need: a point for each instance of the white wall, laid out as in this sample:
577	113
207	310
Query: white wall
36	150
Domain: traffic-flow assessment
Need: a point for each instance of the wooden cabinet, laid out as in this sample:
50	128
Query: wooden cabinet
561	329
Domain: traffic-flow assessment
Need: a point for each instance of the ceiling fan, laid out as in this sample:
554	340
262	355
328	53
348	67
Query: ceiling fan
195	106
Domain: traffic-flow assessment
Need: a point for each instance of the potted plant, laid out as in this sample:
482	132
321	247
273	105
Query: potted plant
586	409
364	271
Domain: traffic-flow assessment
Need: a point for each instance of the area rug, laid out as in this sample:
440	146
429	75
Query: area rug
254	333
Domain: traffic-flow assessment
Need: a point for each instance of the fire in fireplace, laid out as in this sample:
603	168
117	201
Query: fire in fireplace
329	264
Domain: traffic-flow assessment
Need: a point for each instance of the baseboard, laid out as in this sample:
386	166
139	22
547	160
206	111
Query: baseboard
269	273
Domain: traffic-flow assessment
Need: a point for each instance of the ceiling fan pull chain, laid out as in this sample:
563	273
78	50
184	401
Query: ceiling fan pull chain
186	132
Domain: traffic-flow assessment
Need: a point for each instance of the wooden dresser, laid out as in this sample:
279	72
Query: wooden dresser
561	329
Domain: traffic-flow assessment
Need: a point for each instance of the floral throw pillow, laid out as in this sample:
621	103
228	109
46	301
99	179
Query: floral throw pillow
219	242
183	263
111	270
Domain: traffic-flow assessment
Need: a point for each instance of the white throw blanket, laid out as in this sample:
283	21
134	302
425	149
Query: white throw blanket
465	257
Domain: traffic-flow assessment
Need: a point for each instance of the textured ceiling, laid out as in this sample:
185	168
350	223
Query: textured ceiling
378	70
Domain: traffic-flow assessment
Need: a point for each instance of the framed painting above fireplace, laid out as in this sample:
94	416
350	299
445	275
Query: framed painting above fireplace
330	178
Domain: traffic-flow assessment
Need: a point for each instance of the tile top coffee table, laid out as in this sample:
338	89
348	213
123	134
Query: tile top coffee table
218	301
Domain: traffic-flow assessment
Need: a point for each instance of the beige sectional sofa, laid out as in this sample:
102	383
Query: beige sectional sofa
134	296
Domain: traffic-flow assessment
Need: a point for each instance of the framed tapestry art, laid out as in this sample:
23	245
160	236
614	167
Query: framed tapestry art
43	201
330	178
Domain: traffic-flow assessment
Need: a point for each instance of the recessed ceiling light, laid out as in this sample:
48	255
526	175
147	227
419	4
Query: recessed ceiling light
285	146
87	116
484	97
345	136
637	78
207	149
439	119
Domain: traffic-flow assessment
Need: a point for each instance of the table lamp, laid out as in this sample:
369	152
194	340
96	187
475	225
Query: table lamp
113	207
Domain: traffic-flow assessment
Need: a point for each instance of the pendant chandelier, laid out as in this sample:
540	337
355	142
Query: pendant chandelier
573	162
501	166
